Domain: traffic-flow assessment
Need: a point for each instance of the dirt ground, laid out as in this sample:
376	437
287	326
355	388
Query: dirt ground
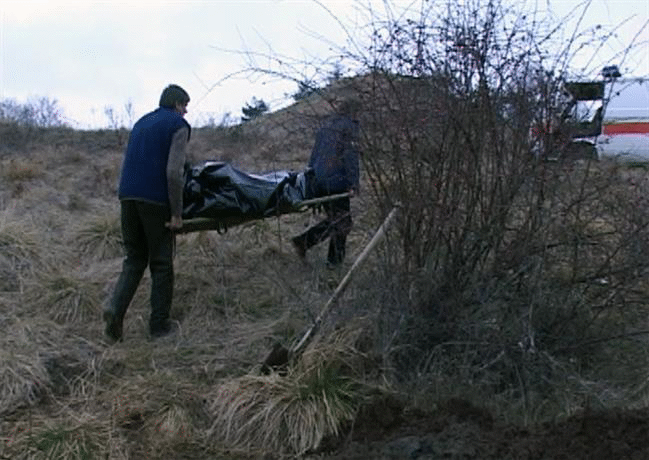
461	431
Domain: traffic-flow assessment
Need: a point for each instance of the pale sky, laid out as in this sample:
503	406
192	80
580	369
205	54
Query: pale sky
89	55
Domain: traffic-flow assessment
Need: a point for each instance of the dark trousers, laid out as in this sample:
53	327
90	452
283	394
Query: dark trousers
336	226
147	242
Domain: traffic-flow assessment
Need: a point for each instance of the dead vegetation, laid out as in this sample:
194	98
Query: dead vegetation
512	291
66	392
292	413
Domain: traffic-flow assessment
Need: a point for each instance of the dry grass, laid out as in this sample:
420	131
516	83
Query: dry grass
101	237
67	393
296	412
64	438
161	407
19	239
19	169
64	294
24	379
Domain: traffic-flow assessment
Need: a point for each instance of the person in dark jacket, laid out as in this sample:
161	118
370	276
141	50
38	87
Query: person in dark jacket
150	193
335	163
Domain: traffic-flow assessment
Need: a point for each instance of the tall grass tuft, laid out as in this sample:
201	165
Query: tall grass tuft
101	237
162	408
294	413
62	439
24	378
18	250
65	296
171	426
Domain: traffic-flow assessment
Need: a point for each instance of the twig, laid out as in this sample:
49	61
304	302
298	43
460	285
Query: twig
603	339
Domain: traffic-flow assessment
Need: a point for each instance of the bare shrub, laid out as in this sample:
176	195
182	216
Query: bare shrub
40	112
516	272
20	123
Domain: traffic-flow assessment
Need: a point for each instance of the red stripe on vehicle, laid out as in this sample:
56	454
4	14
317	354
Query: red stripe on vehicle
634	127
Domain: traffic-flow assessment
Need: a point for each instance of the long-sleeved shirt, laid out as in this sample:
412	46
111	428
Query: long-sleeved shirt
176	170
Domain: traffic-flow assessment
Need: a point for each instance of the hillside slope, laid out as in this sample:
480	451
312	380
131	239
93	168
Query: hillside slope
67	393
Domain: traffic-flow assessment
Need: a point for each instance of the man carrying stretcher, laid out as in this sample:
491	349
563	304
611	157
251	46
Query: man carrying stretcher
335	162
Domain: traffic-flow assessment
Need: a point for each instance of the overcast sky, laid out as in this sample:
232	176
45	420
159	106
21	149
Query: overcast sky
89	55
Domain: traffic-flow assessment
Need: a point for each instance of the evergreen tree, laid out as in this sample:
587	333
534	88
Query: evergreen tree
254	109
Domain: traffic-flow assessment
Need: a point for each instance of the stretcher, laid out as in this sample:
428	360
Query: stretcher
218	196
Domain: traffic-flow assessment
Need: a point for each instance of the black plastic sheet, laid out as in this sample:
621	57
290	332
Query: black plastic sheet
218	190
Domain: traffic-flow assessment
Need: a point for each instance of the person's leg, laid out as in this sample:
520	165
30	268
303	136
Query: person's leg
335	226
341	220
336	253
135	262
317	233
312	237
160	242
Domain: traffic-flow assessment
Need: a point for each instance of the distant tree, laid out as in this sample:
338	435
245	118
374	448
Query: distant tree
130	112
47	112
227	120
254	109
42	112
304	89
114	119
336	73
8	110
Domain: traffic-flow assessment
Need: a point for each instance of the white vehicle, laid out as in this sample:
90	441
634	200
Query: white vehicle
619	126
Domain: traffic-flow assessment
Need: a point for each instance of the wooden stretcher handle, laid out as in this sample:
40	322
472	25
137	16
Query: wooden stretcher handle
198	224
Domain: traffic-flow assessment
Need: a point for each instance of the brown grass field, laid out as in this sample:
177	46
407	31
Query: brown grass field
67	393
198	394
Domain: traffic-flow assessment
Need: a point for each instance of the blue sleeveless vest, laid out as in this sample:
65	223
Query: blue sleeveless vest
144	170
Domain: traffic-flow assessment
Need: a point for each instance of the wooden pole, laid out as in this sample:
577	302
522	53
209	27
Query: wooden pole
344	282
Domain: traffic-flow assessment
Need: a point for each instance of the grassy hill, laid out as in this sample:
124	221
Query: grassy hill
69	394
511	293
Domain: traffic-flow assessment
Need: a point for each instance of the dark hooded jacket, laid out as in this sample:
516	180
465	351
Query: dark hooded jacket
335	156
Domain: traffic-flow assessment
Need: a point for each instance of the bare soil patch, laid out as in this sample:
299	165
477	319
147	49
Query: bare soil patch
459	430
